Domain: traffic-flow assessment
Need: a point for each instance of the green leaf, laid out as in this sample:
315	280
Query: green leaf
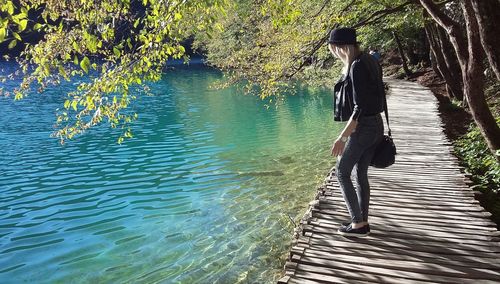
84	64
18	95
2	34
10	8
17	36
74	105
22	25
116	51
12	44
63	72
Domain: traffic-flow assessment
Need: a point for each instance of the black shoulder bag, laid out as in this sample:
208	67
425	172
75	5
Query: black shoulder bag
385	153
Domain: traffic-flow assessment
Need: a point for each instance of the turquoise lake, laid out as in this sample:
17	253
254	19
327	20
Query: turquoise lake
201	194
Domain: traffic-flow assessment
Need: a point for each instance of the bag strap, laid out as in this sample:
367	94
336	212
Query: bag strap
386	112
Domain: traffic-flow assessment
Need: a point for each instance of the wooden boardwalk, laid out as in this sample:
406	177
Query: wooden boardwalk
426	225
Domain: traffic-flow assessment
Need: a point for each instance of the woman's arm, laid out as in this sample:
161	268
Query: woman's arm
339	144
361	93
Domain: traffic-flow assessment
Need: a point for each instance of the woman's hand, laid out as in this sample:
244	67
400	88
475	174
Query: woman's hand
338	147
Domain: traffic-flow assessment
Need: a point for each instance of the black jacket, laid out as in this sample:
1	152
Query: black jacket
361	91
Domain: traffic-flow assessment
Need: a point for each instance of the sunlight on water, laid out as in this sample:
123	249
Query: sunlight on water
202	193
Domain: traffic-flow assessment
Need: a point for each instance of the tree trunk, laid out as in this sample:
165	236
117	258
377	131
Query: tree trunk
452	85
411	54
435	55
450	59
432	59
426	49
486	13
474	88
401	53
474	82
470	56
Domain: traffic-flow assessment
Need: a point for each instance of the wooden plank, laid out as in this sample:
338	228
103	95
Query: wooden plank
413	207
411	192
414	198
409	221
430	266
322	275
430	213
300	280
417	187
321	243
411	230
331	268
466	261
487	245
342	213
342	217
399	209
430	203
284	280
428	246
394	215
378	191
325	275
460	232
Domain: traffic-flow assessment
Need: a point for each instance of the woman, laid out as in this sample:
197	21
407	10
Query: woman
359	99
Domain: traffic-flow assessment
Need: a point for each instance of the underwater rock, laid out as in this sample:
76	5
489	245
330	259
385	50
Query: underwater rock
285	160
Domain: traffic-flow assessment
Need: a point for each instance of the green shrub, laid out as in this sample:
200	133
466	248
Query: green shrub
478	159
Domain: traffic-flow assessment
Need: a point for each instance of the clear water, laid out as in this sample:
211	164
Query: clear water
202	193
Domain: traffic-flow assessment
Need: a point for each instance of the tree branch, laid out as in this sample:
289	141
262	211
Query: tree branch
321	9
373	18
439	16
376	16
452	28
315	48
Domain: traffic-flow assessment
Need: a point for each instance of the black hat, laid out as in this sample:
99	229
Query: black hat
342	36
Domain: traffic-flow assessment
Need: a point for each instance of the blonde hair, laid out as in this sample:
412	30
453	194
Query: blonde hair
346	53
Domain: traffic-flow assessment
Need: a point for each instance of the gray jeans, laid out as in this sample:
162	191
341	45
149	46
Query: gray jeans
357	155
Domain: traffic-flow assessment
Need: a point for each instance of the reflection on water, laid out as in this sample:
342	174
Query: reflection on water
200	195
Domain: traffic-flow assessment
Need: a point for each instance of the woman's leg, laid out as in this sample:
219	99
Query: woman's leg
362	184
358	152
350	157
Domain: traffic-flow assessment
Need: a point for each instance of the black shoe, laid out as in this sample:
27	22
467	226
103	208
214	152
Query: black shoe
350	232
346	224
